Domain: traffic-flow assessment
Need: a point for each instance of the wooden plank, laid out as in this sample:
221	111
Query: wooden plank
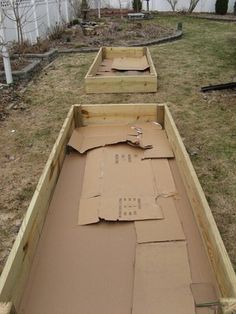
121	84
119	113
211	237
7	308
160	114
18	264
116	52
150	61
95	65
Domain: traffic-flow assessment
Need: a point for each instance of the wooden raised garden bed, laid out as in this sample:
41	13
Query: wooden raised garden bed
176	262
122	70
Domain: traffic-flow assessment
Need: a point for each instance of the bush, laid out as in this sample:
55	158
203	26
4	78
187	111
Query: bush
221	6
137	5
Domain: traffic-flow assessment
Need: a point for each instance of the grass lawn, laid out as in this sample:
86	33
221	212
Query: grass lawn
207	122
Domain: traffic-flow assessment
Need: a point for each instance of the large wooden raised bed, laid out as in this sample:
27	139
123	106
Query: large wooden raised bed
101	78
45	273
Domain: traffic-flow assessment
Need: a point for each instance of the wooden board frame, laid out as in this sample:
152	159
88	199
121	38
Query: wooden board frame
16	270
122	83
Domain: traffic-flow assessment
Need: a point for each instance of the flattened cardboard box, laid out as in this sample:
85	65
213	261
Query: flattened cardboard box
118	185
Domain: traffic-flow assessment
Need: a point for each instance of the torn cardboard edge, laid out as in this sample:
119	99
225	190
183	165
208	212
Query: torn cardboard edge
148	136
130	64
128	208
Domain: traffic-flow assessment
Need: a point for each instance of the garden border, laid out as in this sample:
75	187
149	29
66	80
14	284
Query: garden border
26	73
177	35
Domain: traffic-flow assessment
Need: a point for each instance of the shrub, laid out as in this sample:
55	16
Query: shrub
137	5
221	6
56	32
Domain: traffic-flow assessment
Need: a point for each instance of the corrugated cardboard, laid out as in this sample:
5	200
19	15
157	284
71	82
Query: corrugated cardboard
160	145
148	136
204	294
167	229
164	182
126	64
118	185
128	208
162	279
88	137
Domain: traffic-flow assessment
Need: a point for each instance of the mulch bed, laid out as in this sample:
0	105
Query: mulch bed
17	64
112	32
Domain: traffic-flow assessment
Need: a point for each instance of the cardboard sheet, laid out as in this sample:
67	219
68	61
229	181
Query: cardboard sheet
167	229
148	136
88	137
164	182
152	133
127	64
204	294
118	185
161	146
162	279
129	208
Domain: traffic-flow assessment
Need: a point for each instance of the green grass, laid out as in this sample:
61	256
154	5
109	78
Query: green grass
207	122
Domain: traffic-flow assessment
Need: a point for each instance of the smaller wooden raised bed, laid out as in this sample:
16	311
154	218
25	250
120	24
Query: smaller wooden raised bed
102	78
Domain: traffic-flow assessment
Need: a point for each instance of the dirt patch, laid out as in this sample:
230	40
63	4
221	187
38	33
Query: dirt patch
17	64
41	46
112	32
207	122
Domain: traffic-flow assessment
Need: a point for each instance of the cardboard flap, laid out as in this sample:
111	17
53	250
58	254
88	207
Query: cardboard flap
162	279
130	64
204	294
160	145
89	137
126	208
164	181
167	229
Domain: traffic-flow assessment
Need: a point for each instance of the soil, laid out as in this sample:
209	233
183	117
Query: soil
9	98
17	64
115	32
41	46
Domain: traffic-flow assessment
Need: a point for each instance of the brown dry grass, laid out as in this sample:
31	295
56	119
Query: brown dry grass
207	122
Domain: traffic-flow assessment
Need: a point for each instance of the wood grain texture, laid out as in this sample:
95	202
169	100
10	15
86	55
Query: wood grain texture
210	234
18	264
123	83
